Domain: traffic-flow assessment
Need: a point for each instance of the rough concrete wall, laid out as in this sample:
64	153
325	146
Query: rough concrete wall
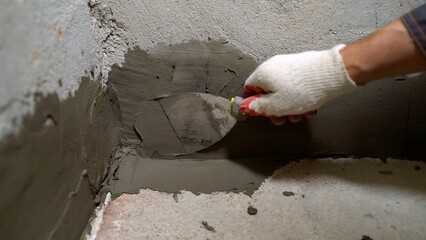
274	27
53	169
385	119
57	131
47	45
261	28
345	199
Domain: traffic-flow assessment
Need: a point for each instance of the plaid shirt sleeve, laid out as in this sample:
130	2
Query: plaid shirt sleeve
415	21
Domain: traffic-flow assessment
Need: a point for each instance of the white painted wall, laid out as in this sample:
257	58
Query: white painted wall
46	41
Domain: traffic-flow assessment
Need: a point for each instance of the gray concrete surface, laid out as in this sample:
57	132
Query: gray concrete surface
261	28
55	138
47	46
310	199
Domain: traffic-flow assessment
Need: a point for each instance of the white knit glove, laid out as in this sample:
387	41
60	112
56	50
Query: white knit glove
295	84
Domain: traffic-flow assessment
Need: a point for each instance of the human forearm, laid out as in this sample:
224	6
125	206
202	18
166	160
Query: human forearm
390	51
293	84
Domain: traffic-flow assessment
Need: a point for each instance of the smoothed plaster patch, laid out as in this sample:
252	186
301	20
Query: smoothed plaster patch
119	26
46	46
206	67
386	123
342	198
198	176
54	167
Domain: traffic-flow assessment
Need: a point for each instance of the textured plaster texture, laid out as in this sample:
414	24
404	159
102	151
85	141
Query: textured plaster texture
310	199
56	130
46	47
261	28
385	118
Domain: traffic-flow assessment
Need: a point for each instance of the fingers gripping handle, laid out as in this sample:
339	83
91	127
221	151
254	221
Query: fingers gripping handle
234	105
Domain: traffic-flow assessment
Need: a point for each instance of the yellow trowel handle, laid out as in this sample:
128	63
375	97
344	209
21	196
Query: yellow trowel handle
234	106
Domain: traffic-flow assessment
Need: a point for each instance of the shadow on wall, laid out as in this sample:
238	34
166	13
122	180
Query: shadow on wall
384	119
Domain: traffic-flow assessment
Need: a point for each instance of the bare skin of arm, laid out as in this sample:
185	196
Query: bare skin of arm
388	52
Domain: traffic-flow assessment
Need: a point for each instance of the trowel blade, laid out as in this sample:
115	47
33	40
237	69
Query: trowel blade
183	123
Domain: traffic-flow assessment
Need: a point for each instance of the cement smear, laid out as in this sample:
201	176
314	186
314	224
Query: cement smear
205	67
243	175
51	170
183	123
60	162
382	120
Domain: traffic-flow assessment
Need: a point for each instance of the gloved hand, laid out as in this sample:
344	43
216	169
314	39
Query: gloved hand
294	84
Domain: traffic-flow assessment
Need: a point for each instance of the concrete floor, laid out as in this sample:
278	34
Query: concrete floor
311	199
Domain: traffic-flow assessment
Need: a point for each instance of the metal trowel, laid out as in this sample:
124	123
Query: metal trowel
185	123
